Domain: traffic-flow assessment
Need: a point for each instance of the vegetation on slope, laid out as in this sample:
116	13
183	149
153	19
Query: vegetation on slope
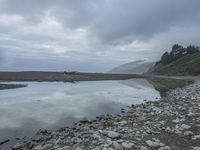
181	61
165	85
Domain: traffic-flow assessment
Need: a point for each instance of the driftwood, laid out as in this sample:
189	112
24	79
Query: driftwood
5	141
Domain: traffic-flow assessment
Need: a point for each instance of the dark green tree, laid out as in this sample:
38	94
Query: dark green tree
176	46
166	58
192	49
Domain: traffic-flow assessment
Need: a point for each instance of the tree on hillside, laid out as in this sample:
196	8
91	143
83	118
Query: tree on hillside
192	49
176	46
177	52
166	58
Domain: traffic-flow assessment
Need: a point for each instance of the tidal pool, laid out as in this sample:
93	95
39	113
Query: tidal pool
51	105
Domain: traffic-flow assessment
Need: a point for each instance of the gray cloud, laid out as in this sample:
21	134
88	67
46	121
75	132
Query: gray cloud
110	31
129	20
112	20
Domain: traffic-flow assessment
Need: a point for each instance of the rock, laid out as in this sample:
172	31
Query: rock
143	148
187	133
198	125
78	140
141	119
156	140
127	145
17	146
44	131
47	146
184	127
39	147
155	143
196	137
117	145
95	136
196	148
84	120
164	148
66	148
32	144
122	123
37	138
162	122
152	144
77	148
113	135
177	120
178	132
96	148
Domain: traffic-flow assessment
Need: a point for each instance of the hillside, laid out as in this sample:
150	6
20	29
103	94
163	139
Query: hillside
186	65
135	67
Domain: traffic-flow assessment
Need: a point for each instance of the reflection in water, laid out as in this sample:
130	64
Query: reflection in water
53	105
137	83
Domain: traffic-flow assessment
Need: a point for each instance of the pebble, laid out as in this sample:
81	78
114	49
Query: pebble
117	145
127	145
184	127
113	134
17	146
152	143
187	133
143	148
196	148
196	137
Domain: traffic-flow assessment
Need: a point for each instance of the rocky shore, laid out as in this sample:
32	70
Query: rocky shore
172	123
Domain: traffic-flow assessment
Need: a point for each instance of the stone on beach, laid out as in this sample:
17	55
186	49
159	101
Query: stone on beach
142	126
113	134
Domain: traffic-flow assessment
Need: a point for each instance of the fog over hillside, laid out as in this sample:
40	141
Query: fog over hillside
135	67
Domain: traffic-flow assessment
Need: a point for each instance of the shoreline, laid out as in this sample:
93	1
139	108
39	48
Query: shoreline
173	122
41	76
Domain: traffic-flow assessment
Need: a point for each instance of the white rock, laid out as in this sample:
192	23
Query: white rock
123	122
66	148
196	148
17	146
127	145
39	147
177	120
47	146
178	132
164	148
184	127
156	140
143	148
196	137
77	148
162	122
117	145
187	133
96	148
152	144
113	134
95	136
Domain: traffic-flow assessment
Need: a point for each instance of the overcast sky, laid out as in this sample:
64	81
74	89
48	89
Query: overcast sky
92	35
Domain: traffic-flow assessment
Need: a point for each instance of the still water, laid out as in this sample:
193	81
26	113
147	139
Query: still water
51	105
